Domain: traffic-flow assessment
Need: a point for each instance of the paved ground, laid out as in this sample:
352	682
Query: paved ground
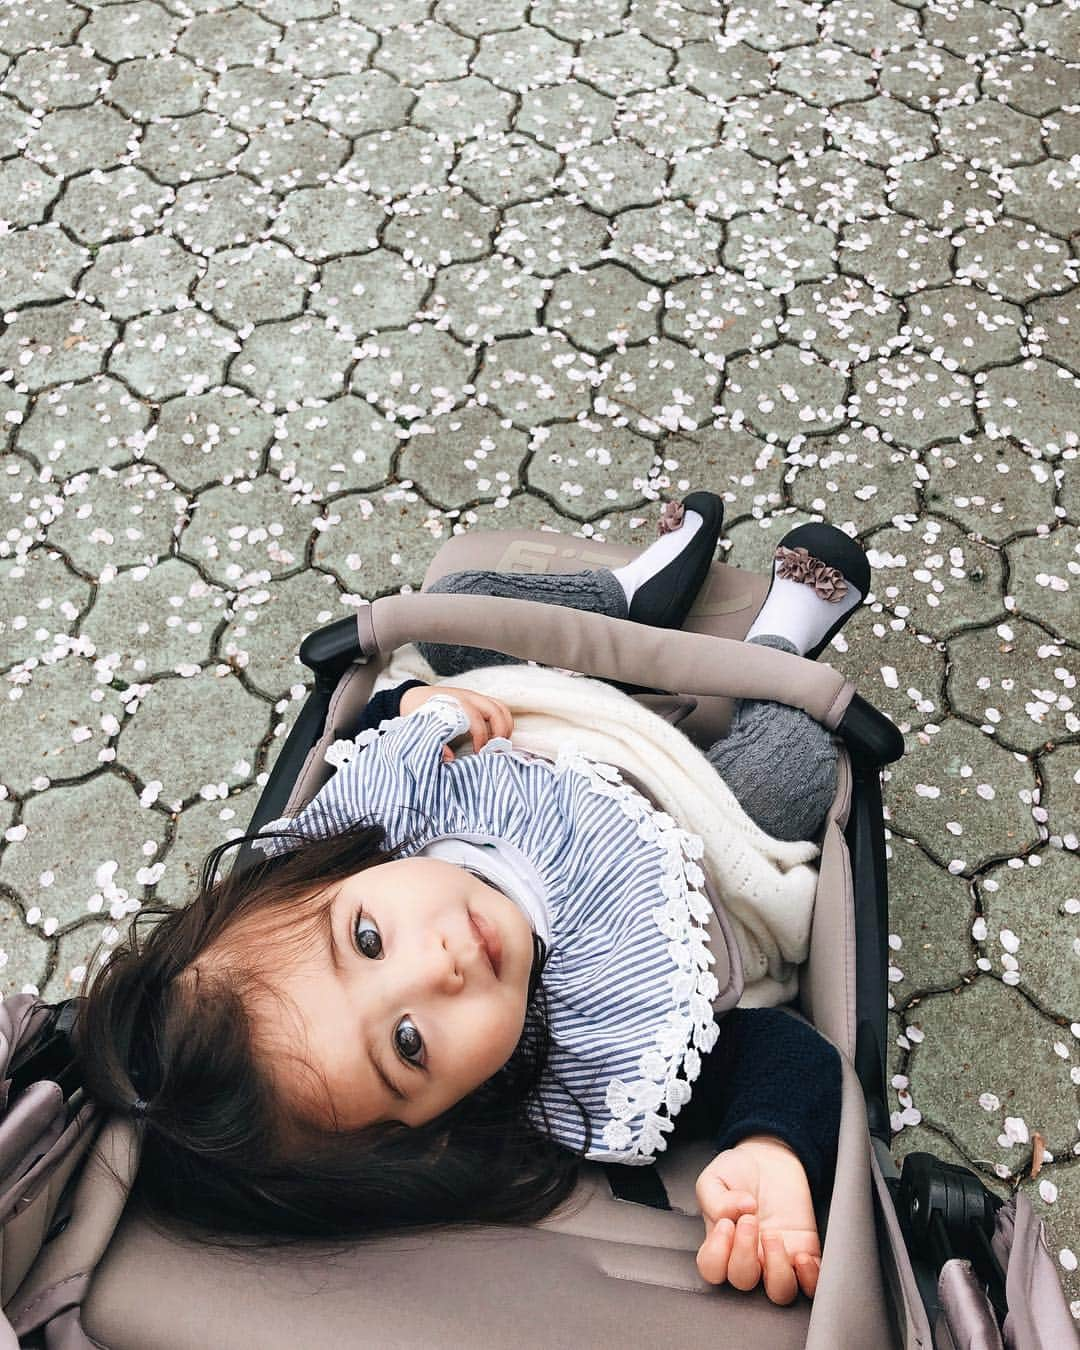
294	290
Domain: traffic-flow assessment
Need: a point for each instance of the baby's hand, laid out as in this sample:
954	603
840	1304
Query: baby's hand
487	716
759	1220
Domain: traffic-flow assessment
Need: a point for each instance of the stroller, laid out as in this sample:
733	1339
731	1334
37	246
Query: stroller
923	1259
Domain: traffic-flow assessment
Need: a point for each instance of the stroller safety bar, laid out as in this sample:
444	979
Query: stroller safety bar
610	649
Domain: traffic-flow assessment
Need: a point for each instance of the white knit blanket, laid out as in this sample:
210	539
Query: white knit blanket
766	884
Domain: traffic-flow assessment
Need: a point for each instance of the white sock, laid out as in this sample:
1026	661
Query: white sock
795	611
657	556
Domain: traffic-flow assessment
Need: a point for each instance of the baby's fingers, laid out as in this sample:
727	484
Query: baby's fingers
712	1257
807	1269
780	1282
744	1267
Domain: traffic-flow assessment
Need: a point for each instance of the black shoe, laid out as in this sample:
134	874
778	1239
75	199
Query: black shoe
829	548
666	599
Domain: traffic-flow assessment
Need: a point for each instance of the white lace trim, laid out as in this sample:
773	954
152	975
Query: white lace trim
637	1128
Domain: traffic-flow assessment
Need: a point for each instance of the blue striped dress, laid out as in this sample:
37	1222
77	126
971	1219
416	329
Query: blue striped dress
628	972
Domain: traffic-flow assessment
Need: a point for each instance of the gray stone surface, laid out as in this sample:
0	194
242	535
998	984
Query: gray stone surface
292	296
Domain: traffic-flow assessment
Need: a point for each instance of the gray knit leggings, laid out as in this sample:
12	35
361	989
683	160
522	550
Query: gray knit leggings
778	761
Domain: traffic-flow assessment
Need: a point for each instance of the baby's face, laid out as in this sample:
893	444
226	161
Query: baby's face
400	987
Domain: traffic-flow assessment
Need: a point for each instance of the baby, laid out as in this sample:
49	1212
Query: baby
424	1006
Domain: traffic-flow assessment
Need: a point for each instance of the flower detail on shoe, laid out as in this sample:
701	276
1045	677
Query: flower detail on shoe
671	518
798	564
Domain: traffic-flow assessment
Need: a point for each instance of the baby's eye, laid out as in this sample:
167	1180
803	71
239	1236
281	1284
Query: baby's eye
408	1042
367	939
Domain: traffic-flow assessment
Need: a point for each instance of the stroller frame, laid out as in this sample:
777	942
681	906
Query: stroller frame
49	1260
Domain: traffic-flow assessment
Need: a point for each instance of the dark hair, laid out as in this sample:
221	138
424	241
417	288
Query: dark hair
224	1157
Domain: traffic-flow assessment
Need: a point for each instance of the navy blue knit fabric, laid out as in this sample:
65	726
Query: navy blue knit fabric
768	1073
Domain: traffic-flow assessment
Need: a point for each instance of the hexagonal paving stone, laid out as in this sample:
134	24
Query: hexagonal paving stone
604	307
319	223
441	227
932	919
202	827
990	135
784	391
670	24
245	36
152	273
160	86
908	687
217	212
141	29
989	487
728	460
1005	667
437	365
344	444
895	254
866	25
74	140
668	122
27	190
754	541
159	743
378	291
32	501
484	300
370	100
567	115
1031	81
722	69
257	99
523	58
841	319
268	624
770	26
94	423
577	20
723	180
982	1040
100	206
662	383
460	109
966	589
971	29
664	242
237	554
171	354
775	126
833	187
929	77
944	192
155	620
882	130
179	149
1061	775
1034	401
468	455
1055	28
967	326
536	379
91	843
622	64
853	477
935	787
612	177
40	599
296	359
399	162
1055	328
1014	260
506	170
546	237
261	281
301	154
325	46
476	17
779	248
24	955
721	314
40	263
417	54
117	519
823	74
210	437
379	544
56	728
1044	577
572	463
1044	193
